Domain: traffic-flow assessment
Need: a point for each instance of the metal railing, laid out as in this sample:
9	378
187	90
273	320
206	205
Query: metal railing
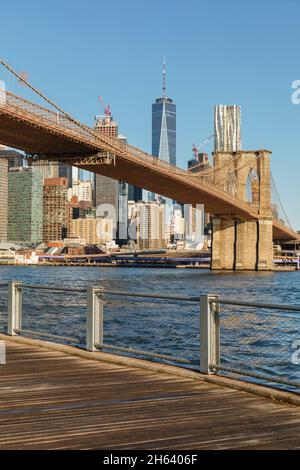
257	341
146	325
48	312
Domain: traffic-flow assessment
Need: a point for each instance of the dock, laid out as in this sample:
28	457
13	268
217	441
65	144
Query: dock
54	399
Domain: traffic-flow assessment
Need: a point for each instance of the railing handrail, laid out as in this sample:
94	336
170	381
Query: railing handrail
145	295
240	303
54	288
220	301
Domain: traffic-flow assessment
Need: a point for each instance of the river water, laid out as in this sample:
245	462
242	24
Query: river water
253	340
281	287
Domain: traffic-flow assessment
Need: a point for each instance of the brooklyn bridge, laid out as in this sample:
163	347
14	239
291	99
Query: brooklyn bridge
243	228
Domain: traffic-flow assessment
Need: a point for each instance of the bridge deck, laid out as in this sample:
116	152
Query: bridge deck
51	400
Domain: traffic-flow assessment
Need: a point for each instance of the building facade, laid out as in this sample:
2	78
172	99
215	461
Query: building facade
164	126
111	196
25	206
135	193
49	170
148	225
199	163
66	171
164	130
83	190
56	213
3	198
227	128
94	231
14	158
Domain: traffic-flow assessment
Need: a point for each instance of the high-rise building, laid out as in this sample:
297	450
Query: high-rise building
177	225
82	190
56	213
48	170
84	175
149	222
199	163
65	171
3	197
227	128
107	126
14	158
164	126
94	231
134	193
111	196
25	205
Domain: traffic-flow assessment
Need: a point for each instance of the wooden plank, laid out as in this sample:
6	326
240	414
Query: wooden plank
50	400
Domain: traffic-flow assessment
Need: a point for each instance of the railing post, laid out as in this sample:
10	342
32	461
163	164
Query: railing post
14	321
209	333
94	334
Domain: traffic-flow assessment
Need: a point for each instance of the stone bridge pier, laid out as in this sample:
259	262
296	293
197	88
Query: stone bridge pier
244	244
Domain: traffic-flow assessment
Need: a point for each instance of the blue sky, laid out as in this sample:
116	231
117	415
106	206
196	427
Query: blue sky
217	52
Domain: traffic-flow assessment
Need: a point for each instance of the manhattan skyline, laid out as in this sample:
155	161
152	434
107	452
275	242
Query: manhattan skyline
226	59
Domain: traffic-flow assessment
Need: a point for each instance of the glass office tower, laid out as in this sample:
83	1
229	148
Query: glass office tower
164	130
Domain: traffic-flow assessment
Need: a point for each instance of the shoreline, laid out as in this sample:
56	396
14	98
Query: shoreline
141	266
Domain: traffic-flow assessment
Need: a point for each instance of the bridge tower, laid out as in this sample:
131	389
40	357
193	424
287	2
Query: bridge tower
243	244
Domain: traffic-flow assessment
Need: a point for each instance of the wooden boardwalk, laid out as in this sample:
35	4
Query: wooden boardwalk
51	400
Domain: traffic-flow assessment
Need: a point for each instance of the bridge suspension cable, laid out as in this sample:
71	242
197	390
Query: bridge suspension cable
113	144
212	169
280	203
217	167
236	170
23	79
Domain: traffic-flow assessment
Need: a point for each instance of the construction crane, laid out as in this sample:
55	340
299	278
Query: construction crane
107	110
196	148
203	143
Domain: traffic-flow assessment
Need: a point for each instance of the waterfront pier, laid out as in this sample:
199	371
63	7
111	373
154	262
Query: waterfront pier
93	369
58	399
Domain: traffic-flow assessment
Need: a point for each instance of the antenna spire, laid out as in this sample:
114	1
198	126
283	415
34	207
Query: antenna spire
164	79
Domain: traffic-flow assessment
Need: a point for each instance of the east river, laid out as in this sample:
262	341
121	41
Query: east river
254	340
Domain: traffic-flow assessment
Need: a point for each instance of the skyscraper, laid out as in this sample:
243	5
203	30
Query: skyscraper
8	159
65	171
14	158
164	126
25	205
110	194
134	193
84	175
56	215
227	128
3	198
149	220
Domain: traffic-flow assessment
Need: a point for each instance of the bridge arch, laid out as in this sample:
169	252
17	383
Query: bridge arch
230	183
238	243
252	188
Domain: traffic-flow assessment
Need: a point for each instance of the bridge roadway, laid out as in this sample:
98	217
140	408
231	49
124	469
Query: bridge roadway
53	136
56	399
